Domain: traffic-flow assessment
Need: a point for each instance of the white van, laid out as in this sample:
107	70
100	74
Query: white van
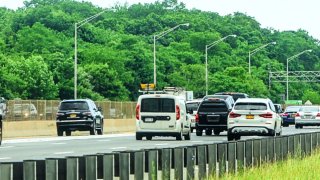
161	115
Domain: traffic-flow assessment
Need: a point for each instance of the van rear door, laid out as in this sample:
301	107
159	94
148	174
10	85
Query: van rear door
158	113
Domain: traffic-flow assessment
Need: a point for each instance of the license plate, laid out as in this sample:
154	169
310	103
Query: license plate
249	116
73	115
148	119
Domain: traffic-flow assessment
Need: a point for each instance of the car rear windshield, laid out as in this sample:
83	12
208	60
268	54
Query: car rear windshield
250	106
74	105
310	109
157	105
292	109
213	107
193	106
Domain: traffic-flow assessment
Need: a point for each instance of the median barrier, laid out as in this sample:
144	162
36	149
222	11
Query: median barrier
201	161
33	128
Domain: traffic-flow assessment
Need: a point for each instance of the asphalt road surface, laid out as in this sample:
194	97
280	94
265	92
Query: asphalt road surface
54	147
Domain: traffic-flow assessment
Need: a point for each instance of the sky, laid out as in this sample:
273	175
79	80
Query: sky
280	15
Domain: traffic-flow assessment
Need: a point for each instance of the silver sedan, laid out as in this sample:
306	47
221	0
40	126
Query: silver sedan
307	116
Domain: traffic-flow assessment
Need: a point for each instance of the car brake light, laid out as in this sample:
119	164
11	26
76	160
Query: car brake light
137	111
197	117
266	115
234	115
297	115
284	114
177	112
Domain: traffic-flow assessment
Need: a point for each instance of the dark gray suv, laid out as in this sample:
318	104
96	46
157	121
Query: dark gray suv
79	115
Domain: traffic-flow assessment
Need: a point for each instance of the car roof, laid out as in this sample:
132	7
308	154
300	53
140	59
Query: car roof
253	100
224	96
229	93
159	96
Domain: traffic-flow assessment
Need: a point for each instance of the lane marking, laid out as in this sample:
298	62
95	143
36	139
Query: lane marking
196	141
104	140
163	144
5	158
119	148
66	152
6	147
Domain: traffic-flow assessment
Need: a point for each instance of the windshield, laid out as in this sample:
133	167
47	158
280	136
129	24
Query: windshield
292	109
309	109
74	105
250	106
213	107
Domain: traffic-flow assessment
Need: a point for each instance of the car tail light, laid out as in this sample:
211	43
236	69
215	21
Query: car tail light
266	115
137	111
177	112
234	115
197	117
297	115
284	114
318	115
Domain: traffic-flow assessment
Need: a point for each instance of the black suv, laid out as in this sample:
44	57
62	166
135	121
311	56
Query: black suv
235	95
212	115
79	114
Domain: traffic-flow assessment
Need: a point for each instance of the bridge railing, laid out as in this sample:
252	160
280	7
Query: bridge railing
46	109
186	162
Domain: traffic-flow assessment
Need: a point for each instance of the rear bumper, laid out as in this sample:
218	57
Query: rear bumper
313	122
157	133
204	126
251	130
74	124
288	120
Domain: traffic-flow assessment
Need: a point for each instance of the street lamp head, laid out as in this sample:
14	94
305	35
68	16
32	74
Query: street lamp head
274	42
185	24
233	35
309	50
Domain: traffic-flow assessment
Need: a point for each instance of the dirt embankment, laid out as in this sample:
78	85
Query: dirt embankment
34	128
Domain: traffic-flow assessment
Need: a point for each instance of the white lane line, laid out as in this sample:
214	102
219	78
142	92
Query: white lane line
163	144
119	148
58	143
6	147
104	140
196	141
4	158
66	152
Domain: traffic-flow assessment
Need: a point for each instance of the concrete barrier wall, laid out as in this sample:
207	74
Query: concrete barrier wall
15	129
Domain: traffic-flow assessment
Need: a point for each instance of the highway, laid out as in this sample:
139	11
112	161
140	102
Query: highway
53	147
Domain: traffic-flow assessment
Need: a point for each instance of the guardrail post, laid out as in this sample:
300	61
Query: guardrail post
166	163
51	169
284	143
318	139
257	152
308	143
222	158
139	164
240	155
62	169
29	170
297	145
178	163
264	150
232	153
72	168
91	167
202	161
100	166
124	166
270	150
248	153
40	169
303	144
153	164
291	145
277	149
6	171
212	159
314	141
191	162
108	164
81	167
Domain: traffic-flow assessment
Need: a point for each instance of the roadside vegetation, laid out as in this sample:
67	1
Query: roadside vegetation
115	52
292	168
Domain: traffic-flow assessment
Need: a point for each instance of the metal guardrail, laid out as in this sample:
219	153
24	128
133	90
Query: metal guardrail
186	162
47	109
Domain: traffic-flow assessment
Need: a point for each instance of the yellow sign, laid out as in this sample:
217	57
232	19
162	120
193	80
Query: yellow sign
147	86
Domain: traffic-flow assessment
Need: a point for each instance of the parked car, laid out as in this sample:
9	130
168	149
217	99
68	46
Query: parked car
162	115
253	117
24	111
235	95
288	116
307	116
192	107
79	115
212	116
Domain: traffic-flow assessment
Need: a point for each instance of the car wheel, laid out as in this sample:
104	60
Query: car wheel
216	132
59	132
179	136
208	132
149	138
93	129
68	133
188	136
191	130
237	137
301	126
138	136
100	131
198	132
230	137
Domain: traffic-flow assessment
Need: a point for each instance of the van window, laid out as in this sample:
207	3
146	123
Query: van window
157	105
213	107
250	106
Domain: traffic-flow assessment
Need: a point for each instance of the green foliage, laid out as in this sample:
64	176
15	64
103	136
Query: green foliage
312	96
115	51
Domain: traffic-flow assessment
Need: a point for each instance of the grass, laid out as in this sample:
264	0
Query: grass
294	168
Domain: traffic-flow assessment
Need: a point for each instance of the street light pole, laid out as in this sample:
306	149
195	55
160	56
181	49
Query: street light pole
288	60
255	51
156	37
207	48
76	26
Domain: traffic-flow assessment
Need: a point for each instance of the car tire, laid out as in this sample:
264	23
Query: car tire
230	137
138	137
208	132
188	136
237	137
100	131
179	136
216	132
59	132
93	129
285	125
198	132
149	138
191	130
68	133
